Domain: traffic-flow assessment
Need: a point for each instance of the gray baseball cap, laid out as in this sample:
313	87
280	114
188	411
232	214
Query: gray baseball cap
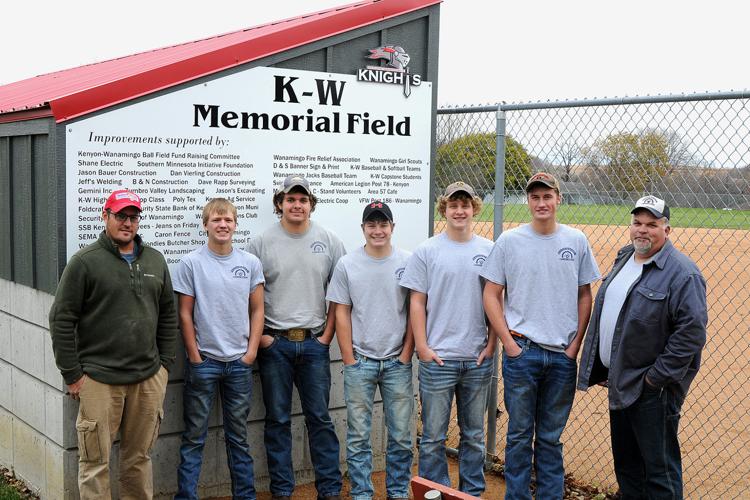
294	181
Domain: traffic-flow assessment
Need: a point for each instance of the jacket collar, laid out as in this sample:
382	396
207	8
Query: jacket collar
661	257
107	243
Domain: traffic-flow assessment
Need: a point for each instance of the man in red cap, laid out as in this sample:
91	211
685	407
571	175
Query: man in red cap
114	329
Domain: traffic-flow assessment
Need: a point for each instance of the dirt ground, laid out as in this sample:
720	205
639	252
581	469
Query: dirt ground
495	486
715	423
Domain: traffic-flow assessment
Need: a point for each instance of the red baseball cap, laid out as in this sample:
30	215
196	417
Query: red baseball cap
122	198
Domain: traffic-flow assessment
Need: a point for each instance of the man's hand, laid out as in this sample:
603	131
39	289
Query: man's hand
266	341
426	354
249	357
74	389
348	359
404	359
572	351
486	353
512	350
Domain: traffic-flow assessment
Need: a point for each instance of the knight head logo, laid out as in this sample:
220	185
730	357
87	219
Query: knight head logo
395	56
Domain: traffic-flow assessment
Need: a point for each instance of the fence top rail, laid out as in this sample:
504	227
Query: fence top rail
655	99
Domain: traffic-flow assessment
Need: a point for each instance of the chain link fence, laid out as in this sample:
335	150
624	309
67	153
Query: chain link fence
691	150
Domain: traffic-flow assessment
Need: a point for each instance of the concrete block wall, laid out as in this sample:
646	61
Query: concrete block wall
37	421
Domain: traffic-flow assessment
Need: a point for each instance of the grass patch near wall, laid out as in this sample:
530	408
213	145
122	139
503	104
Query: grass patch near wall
12	488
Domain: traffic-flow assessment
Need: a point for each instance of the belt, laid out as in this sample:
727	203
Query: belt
516	334
293	334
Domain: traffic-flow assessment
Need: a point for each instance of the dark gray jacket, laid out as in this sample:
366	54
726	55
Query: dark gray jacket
660	331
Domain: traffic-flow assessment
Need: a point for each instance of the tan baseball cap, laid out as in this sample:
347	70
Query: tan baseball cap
545	179
458	186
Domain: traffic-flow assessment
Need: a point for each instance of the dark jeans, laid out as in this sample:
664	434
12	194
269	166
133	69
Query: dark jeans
539	386
645	446
233	380
306	365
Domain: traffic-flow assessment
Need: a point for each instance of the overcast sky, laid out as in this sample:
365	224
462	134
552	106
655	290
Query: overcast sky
490	50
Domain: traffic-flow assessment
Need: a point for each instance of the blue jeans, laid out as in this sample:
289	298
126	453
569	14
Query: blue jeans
437	385
233	380
395	381
539	386
645	446
305	364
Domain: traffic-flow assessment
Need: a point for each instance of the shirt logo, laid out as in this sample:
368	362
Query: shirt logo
479	260
318	247
400	273
240	272
567	253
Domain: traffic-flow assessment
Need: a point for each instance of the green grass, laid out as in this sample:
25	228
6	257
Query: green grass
7	492
620	215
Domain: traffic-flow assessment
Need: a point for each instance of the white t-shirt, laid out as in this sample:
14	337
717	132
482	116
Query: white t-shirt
297	268
448	272
379	304
541	275
221	286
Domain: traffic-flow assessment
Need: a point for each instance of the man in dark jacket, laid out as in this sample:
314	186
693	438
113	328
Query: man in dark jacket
644	342
114	328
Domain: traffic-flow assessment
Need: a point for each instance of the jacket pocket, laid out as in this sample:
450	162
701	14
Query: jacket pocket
89	445
650	305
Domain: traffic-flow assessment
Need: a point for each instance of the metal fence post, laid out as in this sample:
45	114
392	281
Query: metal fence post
497	228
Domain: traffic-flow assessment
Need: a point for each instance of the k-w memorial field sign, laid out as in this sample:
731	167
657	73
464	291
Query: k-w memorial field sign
238	137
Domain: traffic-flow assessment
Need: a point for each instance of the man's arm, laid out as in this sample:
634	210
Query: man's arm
167	331
330	328
418	319
186	306
408	350
344	332
690	316
256	310
63	318
493	308
584	316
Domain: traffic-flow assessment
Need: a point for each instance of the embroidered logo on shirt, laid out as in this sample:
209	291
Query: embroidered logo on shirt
318	247
399	273
479	260
566	253
149	275
240	272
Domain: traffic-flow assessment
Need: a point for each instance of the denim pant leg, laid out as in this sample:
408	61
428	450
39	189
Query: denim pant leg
645	447
201	383
276	367
437	384
313	379
236	393
360	382
555	399
471	407
520	376
398	407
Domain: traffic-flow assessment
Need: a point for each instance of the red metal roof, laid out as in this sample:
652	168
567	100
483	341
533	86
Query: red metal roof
77	91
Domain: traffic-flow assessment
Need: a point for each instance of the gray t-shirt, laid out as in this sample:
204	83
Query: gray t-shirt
379	304
541	275
221	286
297	268
448	272
614	298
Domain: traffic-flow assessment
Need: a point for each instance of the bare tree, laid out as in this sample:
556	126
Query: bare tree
569	154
